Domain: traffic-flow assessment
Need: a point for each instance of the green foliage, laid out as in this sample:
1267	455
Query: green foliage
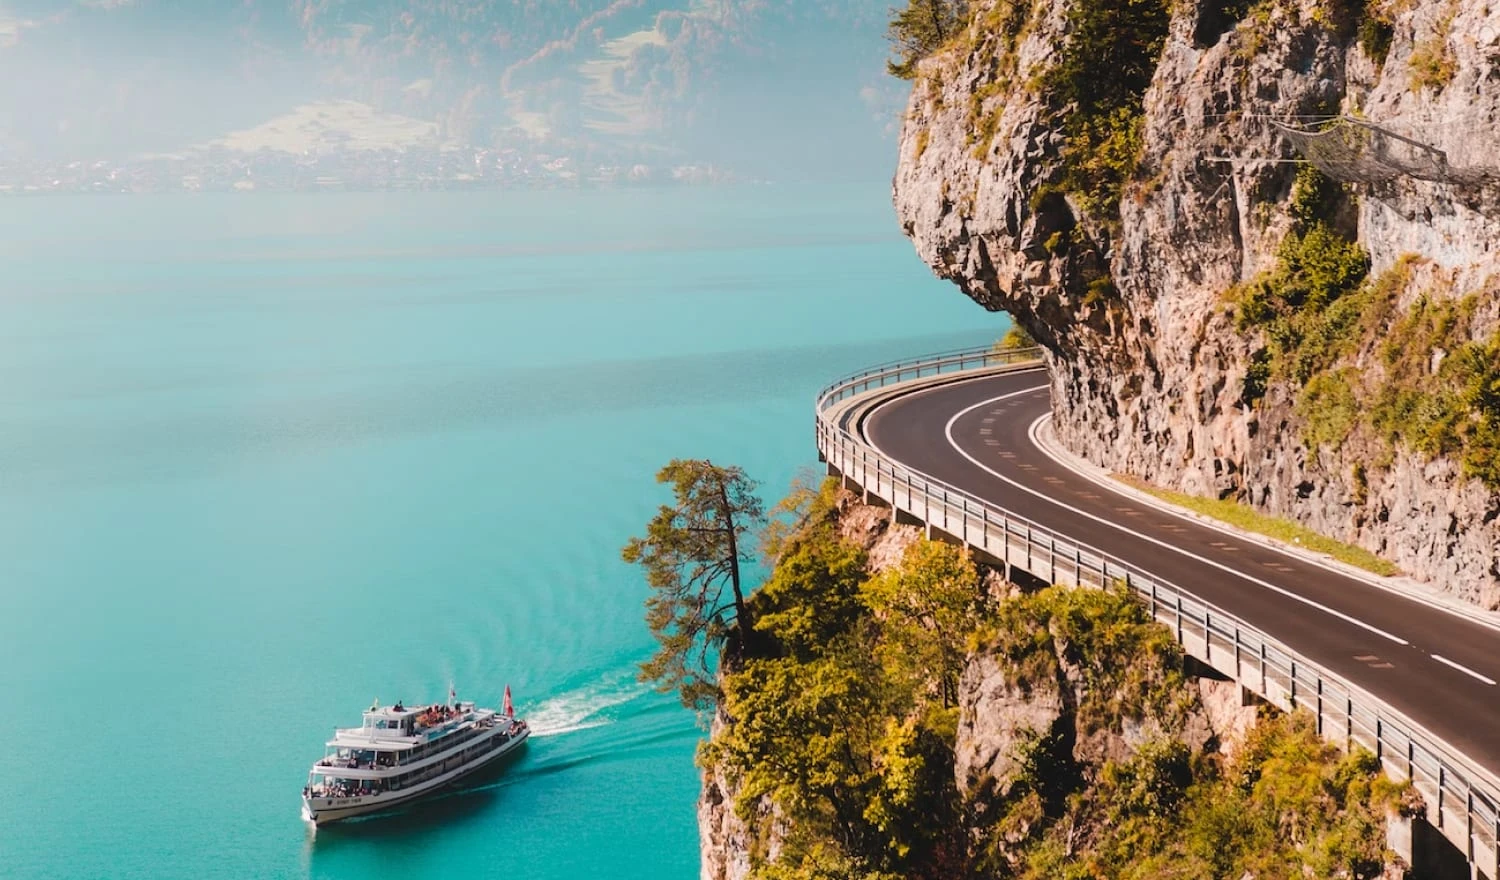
1376	33
692	553
920	28
1100	289
1329	408
928	607
1098	81
1431	64
844	721
1131	666
1316	265
1436	394
812	596
1257	377
1015	339
1457	411
1288	804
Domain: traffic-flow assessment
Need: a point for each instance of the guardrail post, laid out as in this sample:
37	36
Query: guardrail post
1237	674
1441	786
1469	825
1208	639
1179	616
1320	705
1052	556
1292	681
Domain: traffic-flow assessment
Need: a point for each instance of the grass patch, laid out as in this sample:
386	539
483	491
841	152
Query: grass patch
1248	518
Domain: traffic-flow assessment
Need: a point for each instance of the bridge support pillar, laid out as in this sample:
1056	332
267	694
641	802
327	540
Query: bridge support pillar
1398	836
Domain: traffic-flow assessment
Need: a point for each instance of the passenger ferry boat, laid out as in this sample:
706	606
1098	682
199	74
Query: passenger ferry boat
402	753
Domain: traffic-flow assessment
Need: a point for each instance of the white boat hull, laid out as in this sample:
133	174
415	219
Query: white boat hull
322	811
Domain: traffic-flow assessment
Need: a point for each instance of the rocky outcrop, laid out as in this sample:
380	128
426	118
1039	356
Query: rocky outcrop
723	839
1133	304
997	716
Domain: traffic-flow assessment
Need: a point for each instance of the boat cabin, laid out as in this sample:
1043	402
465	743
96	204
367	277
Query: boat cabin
391	721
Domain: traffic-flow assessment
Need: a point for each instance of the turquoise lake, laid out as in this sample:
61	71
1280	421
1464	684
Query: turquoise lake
265	458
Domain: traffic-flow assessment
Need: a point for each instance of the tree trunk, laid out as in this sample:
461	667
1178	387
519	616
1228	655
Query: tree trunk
741	615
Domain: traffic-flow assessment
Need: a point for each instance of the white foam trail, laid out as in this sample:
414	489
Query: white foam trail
579	709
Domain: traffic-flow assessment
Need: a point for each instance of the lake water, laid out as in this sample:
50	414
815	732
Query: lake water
265	458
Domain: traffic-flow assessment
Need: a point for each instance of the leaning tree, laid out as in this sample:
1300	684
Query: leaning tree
692	554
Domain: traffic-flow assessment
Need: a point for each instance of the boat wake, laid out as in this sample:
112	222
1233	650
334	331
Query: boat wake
583	708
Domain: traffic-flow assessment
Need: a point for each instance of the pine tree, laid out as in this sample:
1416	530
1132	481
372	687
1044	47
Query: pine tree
692	554
919	29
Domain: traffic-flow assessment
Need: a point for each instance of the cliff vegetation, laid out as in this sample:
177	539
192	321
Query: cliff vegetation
908	714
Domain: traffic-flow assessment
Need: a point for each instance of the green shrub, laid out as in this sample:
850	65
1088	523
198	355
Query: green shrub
1257	377
1432	64
920	28
1375	36
1015	339
1329	408
1098	80
1287	805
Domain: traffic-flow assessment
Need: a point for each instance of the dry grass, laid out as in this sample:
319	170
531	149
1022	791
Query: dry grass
1251	520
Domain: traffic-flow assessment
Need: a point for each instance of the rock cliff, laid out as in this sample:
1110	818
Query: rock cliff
1155	230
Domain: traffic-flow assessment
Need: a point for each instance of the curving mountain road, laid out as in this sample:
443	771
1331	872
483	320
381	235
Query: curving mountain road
1436	666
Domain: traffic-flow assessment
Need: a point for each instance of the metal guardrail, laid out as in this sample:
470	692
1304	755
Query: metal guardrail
1462	799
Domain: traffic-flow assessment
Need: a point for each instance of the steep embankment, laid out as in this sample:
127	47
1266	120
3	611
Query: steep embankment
1220	319
912	715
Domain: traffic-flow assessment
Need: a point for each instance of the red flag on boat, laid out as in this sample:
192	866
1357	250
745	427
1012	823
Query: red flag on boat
508	711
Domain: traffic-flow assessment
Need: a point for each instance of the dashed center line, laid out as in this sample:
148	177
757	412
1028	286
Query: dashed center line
1332	612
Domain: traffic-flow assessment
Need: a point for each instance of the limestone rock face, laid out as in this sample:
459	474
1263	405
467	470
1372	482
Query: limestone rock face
725	841
870	527
995	718
1150	380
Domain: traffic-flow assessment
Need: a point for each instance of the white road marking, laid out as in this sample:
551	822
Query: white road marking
1464	669
948	432
1375	581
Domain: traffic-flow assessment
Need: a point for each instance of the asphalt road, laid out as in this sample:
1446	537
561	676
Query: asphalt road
975	435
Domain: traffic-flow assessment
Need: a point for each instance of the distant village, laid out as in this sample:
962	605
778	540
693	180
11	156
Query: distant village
221	169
